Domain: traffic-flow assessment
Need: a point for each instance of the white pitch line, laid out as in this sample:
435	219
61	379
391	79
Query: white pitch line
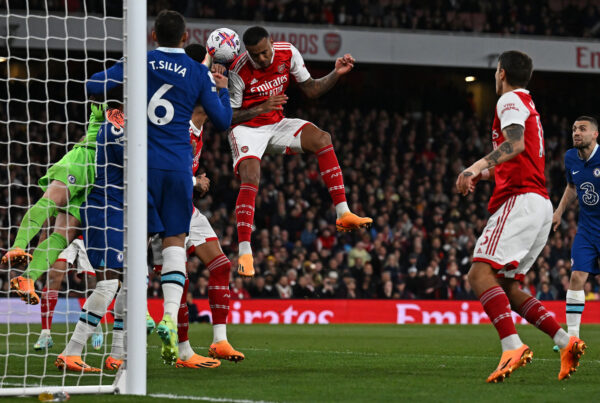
205	398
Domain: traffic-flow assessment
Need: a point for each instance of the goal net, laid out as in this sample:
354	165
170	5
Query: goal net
48	50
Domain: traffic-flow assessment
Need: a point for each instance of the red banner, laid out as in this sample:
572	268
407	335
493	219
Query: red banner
276	311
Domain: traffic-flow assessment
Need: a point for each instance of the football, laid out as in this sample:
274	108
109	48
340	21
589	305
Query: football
223	45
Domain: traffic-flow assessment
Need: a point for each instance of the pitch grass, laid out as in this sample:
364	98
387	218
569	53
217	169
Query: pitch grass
343	363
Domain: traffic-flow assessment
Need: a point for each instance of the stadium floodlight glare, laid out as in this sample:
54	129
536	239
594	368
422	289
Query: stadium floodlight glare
46	121
470	79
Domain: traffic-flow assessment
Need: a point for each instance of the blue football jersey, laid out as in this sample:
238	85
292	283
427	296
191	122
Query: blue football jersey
176	84
108	187
585	175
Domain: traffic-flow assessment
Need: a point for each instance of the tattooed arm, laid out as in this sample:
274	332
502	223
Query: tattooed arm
315	88
513	145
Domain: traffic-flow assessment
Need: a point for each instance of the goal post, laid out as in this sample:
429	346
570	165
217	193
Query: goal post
136	194
46	56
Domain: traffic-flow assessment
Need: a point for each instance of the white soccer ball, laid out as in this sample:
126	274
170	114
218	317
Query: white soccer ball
223	45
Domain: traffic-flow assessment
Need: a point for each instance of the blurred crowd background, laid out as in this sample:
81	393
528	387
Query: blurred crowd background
577	18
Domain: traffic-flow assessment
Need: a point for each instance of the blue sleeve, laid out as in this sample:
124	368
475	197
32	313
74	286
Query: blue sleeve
216	107
568	171
103	81
114	142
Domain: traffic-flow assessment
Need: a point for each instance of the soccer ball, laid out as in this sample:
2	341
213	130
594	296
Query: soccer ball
223	45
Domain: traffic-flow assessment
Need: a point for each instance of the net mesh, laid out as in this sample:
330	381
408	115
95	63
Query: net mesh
47	51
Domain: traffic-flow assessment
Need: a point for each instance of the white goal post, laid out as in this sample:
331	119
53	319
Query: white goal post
65	37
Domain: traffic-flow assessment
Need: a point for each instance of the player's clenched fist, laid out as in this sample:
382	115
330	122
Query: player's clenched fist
220	80
344	64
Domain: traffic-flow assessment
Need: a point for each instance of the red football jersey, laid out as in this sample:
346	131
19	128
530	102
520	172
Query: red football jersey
196	141
250	85
525	172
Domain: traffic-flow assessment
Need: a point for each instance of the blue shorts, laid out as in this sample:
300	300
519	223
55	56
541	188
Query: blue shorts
103	234
170	204
584	254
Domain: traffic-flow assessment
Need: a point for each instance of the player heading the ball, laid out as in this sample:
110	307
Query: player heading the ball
258	80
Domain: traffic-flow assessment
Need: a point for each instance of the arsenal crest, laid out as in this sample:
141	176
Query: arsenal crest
281	68
244	149
332	42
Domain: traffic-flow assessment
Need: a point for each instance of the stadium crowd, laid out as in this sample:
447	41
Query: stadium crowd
403	177
575	18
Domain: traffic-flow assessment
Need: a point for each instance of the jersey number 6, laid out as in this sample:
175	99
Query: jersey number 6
157	101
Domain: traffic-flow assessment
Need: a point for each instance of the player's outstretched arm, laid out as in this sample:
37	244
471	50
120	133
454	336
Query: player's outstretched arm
218	108
103	81
513	145
314	88
569	195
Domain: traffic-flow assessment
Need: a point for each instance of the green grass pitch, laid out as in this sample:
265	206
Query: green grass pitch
344	363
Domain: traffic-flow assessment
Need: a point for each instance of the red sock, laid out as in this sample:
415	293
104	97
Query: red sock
536	314
49	300
331	174
218	289
244	211
183	315
496	305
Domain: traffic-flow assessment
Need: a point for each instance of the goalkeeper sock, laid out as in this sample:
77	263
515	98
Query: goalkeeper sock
45	255
575	305
172	279
93	310
331	174
33	220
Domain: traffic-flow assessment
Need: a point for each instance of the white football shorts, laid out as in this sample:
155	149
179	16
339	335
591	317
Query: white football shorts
515	235
200	232
76	255
282	137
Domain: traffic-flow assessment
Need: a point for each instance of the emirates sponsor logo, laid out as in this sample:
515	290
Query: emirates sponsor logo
332	42
269	85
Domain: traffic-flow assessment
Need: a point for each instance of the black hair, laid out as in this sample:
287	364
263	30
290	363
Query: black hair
255	34
196	52
517	66
169	27
590	119
112	97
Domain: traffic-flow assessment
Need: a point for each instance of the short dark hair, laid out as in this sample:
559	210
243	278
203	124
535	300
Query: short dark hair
255	34
169	27
196	52
518	67
590	119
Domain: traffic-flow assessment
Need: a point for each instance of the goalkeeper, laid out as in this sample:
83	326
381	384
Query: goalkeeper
65	186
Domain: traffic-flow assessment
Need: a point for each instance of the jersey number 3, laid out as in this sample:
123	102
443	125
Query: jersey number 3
157	101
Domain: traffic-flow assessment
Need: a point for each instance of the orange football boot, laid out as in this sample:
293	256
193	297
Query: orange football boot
510	361
197	361
223	350
349	222
112	364
569	357
25	288
73	363
16	257
246	265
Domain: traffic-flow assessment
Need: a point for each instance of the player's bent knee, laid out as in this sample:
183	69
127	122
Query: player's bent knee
578	279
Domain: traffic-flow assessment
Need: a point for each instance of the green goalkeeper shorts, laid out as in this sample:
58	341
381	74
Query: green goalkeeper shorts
76	170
